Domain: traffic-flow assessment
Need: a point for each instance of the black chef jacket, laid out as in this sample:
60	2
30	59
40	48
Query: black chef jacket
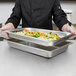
38	14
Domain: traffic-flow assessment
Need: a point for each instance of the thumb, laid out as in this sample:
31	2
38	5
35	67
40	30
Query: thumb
73	30
5	35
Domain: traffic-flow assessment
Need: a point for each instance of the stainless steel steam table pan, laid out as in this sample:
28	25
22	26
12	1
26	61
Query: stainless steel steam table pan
44	51
39	41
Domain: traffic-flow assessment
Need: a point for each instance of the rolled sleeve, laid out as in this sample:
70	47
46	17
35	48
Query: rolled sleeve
59	16
16	15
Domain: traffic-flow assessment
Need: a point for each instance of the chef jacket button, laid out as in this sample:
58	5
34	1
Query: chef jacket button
59	7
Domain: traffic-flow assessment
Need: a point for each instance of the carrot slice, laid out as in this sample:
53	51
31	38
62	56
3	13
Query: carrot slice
58	37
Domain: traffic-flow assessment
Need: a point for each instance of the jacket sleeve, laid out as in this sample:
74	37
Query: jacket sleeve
59	16
16	15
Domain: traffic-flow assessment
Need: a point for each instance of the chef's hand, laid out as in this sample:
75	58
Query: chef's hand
67	28
4	34
3	30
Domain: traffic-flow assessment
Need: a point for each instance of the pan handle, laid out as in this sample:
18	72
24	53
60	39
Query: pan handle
73	37
64	44
1	38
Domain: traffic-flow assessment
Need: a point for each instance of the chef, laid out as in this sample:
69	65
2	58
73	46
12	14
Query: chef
37	14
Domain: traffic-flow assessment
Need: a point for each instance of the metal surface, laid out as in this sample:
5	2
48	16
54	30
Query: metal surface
38	40
45	51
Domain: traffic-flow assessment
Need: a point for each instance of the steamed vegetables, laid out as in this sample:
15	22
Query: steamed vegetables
38	34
